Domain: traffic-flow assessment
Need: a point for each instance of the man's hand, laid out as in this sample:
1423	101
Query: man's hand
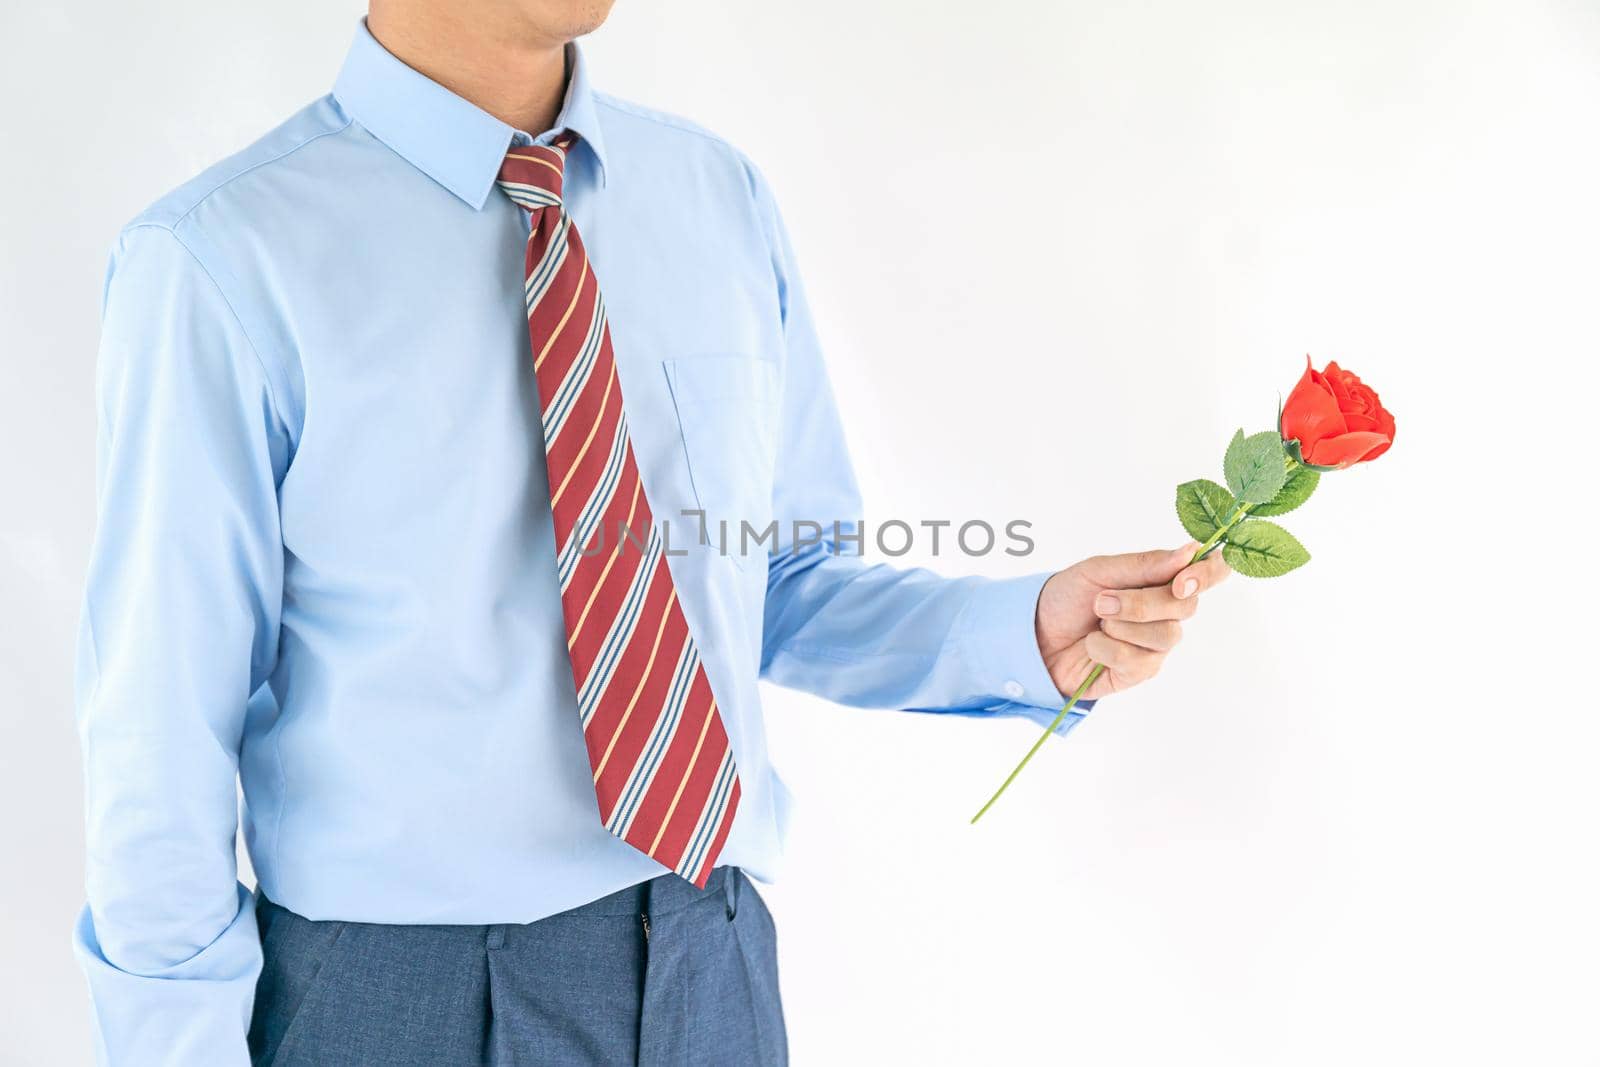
1124	611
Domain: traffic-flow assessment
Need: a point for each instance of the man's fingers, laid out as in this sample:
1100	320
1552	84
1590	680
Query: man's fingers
1133	569
1144	605
1155	636
1192	581
1131	662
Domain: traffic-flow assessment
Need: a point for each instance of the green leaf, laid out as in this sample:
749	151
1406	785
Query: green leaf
1233	458
1254	466
1302	482
1258	549
1203	507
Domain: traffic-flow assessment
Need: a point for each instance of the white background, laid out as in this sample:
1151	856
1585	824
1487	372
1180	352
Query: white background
1059	252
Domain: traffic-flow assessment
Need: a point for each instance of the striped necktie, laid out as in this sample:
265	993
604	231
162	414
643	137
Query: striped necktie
664	773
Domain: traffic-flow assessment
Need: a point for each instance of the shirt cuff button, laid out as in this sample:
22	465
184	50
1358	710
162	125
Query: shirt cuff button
1013	689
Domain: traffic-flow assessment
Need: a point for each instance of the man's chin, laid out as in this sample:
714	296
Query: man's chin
563	20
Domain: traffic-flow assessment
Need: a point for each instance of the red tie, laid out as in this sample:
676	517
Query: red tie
663	769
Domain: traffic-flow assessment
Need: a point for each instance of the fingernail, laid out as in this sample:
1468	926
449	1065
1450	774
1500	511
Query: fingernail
1186	590
1106	604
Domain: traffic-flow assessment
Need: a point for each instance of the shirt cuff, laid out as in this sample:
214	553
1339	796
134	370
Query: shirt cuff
1002	646
196	1011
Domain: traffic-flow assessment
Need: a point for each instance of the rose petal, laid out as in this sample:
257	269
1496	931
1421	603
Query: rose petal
1350	377
1346	449
1385	427
1365	401
1338	384
1311	412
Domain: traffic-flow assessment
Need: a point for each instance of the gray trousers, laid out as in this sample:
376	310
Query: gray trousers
658	974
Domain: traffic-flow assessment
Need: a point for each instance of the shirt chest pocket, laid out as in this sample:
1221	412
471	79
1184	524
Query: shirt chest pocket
727	408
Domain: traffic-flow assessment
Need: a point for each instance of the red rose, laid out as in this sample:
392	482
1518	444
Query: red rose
1338	420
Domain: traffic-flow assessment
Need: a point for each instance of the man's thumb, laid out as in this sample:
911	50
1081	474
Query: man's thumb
1135	570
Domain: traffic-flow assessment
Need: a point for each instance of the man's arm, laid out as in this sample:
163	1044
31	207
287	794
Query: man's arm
876	635
179	629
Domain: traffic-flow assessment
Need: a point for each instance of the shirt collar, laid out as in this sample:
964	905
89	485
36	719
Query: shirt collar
448	138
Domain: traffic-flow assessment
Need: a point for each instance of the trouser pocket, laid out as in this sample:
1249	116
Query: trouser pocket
299	959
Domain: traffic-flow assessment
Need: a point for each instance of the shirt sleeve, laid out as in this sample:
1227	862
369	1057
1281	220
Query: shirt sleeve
865	634
179	628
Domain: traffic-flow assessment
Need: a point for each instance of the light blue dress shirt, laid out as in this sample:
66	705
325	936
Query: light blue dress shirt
323	567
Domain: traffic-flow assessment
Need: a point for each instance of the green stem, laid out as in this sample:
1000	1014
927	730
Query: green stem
1211	542
1096	669
1095	672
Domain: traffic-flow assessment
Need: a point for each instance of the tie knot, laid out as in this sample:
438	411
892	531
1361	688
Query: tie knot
531	174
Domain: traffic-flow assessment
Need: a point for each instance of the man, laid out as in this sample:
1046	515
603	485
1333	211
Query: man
375	395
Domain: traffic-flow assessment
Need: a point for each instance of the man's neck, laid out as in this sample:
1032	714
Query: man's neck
519	82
